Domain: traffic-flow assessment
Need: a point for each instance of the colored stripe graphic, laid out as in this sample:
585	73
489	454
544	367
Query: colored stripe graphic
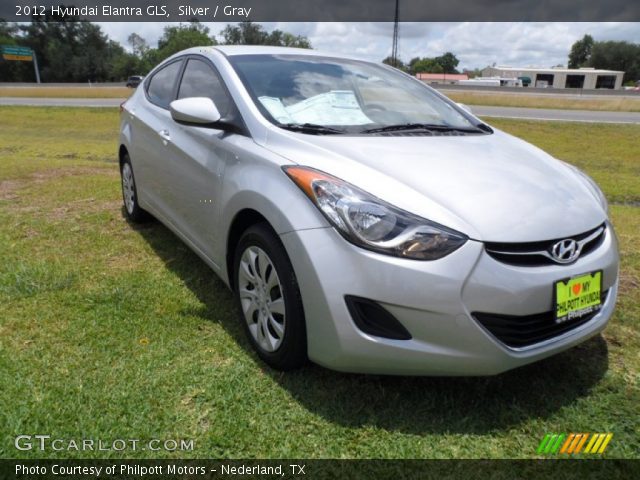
584	439
605	443
558	443
573	443
567	443
551	444
543	443
596	445
594	437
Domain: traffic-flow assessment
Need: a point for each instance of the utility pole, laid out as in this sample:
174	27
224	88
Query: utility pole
35	67
394	49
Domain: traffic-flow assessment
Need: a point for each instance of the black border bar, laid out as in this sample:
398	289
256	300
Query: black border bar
328	10
564	469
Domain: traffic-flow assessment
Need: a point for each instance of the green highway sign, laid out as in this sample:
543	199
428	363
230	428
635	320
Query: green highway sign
17	51
20	54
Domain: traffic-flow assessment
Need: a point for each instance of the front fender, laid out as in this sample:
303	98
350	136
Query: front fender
267	190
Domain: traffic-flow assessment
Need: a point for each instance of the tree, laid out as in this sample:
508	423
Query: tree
622	56
581	52
138	44
476	72
397	63
70	50
175	39
445	63
249	33
13	71
448	62
286	39
8	32
427	65
606	55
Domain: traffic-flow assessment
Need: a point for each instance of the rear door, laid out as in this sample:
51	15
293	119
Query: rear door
151	121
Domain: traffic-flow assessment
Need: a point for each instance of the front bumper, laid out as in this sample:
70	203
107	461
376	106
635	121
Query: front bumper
434	301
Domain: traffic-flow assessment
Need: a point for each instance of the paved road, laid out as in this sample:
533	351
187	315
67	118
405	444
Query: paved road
62	102
502	112
538	92
559	115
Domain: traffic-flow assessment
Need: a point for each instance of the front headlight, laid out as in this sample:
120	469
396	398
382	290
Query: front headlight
372	223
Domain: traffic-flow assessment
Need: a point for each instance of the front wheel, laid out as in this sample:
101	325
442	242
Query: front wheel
269	299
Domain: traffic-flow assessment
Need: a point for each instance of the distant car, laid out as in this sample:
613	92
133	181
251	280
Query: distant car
362	219
134	81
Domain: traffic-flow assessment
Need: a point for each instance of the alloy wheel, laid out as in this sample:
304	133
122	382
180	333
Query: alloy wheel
128	188
261	298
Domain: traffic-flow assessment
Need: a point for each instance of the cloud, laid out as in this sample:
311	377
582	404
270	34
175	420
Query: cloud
476	44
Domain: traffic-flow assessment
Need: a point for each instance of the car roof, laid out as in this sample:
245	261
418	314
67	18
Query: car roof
233	50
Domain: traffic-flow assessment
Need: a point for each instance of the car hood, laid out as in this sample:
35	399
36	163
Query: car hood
491	187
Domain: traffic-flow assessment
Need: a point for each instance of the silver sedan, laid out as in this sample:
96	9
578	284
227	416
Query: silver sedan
364	221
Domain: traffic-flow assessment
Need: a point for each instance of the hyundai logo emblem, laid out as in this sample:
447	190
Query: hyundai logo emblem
565	251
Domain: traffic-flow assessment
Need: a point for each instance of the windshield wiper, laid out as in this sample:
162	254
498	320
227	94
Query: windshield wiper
310	128
430	127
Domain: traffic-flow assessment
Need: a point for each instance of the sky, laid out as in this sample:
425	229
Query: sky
476	44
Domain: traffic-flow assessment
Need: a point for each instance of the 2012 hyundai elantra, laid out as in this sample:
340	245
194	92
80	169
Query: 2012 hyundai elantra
363	220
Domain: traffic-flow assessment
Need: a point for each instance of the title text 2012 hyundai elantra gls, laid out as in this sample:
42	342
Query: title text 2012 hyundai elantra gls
363	220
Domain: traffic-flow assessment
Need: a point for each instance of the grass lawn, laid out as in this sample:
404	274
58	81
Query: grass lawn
522	99
114	332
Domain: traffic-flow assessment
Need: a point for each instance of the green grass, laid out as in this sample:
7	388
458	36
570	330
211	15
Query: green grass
113	332
608	152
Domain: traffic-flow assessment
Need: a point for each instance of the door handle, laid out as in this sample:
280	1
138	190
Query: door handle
165	135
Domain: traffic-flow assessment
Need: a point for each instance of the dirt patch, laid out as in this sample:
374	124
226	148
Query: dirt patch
82	207
628	283
46	175
8	188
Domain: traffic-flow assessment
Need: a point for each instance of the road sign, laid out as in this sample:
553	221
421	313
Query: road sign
11	52
17	58
20	54
16	51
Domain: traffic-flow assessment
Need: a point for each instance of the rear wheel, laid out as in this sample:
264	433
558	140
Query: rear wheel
130	194
269	299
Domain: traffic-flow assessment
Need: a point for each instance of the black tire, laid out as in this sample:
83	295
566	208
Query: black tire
132	209
292	350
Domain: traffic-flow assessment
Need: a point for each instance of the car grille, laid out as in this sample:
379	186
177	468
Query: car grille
533	254
518	331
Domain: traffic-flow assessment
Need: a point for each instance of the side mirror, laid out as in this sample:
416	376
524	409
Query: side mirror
194	110
466	108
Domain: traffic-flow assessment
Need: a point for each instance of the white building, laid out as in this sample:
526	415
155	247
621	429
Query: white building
586	78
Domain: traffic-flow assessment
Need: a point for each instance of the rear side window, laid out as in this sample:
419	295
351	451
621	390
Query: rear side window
200	80
162	83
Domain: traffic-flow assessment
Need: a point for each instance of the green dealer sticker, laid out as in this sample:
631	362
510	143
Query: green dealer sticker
578	296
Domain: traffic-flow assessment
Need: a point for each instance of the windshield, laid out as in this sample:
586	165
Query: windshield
333	95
